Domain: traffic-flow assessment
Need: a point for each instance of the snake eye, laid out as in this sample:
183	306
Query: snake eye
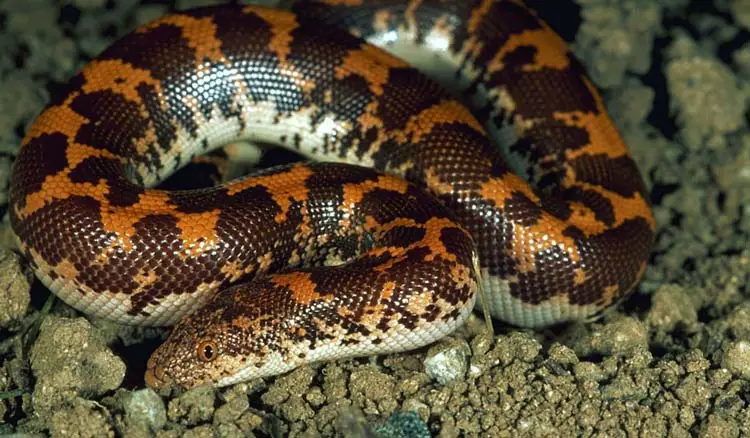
207	351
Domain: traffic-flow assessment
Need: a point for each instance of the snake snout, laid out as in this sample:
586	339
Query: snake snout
156	377
153	379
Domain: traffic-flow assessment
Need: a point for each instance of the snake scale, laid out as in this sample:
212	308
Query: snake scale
413	203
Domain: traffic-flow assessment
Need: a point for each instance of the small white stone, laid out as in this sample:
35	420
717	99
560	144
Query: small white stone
447	362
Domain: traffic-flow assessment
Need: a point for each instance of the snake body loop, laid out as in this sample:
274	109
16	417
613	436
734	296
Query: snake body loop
416	202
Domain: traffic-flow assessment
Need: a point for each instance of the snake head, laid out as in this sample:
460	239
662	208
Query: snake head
230	339
191	356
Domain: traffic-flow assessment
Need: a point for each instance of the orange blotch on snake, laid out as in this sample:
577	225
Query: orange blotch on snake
301	286
284	187
370	63
551	51
116	76
199	33
282	24
445	112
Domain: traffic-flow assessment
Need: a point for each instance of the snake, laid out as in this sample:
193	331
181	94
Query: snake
453	149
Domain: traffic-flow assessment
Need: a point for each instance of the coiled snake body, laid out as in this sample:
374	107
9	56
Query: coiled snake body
330	259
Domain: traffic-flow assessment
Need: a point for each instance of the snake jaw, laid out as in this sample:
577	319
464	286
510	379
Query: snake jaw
156	377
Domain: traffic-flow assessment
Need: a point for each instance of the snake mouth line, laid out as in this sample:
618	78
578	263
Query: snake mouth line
156	378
